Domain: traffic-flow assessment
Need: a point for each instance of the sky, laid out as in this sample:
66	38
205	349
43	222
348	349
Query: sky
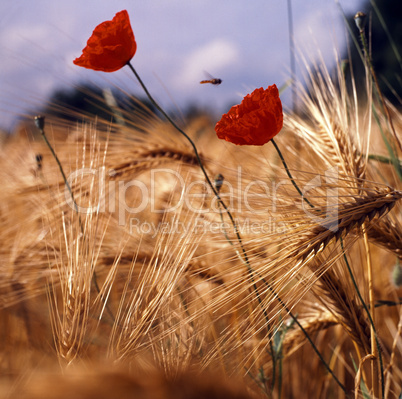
244	43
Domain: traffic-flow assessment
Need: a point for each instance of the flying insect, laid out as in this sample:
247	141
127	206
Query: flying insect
211	80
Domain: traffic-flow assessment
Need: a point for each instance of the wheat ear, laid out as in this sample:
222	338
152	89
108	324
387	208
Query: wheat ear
350	216
387	234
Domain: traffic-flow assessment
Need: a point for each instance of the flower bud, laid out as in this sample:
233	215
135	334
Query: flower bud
218	182
39	159
40	122
360	20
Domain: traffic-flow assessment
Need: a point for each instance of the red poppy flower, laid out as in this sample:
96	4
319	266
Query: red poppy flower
111	46
255	121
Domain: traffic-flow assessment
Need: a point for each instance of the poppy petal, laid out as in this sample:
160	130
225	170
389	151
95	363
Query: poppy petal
255	121
111	46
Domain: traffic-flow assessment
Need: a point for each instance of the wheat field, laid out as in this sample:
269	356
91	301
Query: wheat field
147	291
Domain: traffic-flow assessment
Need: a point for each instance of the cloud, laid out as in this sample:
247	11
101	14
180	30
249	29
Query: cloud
213	57
319	33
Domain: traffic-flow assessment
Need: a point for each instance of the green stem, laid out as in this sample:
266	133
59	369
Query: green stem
276	295
382	159
290	175
388	303
308	337
397	163
196	155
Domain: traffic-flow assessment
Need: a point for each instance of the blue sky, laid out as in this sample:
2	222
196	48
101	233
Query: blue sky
246	44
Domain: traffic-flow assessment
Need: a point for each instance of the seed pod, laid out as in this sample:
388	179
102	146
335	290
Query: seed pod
360	20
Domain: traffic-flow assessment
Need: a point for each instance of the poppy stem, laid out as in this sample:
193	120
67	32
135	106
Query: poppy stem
306	334
289	174
180	131
284	306
198	159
